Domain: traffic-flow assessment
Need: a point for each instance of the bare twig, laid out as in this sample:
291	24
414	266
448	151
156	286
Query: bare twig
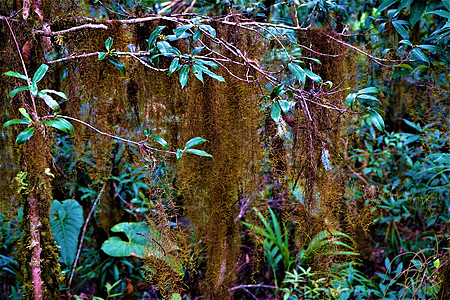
91	26
83	233
138	144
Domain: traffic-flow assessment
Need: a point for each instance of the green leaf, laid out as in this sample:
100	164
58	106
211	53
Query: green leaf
197	50
39	73
313	76
160	140
196	35
165	48
135	245
60	94
277	91
385	4
275	112
198	152
406	66
179	153
208	28
416	10
184	75
15	74
33	89
19	89
153	36
369	90
101	55
404	4
440	12
211	74
108	43
400	29
66	219
117	64
194	142
377	120
350	100
419	55
182	29
25	114
298	72
197	70
174	65
446	3
367	97
49	101
16	121
56	124
24	136
431	48
67	124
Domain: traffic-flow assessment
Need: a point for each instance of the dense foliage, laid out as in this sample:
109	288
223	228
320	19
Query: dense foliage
225	149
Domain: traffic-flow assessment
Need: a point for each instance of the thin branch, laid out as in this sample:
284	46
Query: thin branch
83	233
53	33
254	285
138	144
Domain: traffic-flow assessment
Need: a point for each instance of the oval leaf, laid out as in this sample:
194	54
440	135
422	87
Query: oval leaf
298	72
160	140
369	90
174	65
198	152
39	73
49	101
66	124
117	64
184	75
56	124
377	120
108	43
313	76
275	111
66	219
136	244
60	94
19	89
194	142
25	114
16	121
153	36
24	136
101	55
15	74
385	4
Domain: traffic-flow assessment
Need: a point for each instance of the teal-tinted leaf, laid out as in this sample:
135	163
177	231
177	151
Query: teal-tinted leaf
153	36
56	124
298	72
350	100
419	55
431	48
446	3
277	91
413	125
404	4
179	153
15	74
208	28
400	29
406	42
118	64
19	89
16	121
194	142
174	65
385	4
197	50
165	48
406	66
182	29
24	135
25	114
39	73
275	111
67	124
184	75
108	43
198	152
196	35
377	120
368	90
211	74
60	94
264	107
135	245
367	97
160	140
66	219
440	12
207	63
285	105
313	76
416	10
101	55
49	101
197	70
33	89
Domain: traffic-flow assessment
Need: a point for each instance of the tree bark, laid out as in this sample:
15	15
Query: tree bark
35	246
